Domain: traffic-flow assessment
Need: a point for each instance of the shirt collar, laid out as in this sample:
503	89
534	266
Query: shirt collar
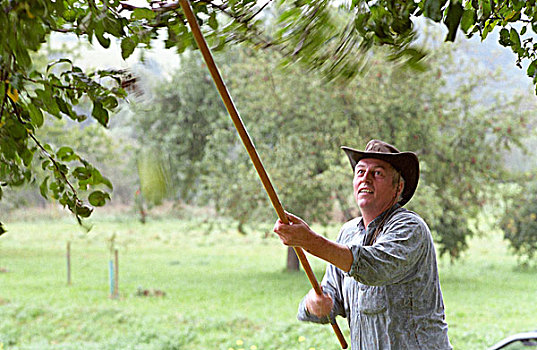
376	221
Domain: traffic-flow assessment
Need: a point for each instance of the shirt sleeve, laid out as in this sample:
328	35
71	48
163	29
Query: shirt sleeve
394	256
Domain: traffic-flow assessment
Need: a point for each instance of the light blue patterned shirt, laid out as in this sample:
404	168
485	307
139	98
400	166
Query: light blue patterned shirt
391	297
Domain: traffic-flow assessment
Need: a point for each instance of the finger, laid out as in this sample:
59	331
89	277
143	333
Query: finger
293	218
277	225
328	297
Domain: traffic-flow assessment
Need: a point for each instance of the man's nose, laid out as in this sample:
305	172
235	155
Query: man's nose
368	175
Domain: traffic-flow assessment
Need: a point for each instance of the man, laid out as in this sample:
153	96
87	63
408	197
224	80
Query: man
383	275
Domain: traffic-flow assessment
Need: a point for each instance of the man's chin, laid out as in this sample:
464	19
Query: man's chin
363	203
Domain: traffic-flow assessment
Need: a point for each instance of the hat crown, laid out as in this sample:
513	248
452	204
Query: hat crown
380	147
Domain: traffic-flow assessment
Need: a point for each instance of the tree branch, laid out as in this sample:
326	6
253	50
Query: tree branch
4	99
258	11
253	36
47	154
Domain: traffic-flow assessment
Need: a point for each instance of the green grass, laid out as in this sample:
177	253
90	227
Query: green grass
223	290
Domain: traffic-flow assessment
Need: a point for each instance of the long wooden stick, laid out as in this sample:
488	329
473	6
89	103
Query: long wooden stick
250	148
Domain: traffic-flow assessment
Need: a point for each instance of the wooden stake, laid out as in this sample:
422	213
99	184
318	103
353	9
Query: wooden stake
68	256
116	274
111	277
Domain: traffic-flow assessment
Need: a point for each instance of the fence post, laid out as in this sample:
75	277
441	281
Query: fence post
68	256
116	274
111	275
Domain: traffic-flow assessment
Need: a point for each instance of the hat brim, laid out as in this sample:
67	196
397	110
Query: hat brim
405	162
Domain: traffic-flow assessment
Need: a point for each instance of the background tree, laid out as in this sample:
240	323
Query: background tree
175	120
287	113
299	121
459	139
519	219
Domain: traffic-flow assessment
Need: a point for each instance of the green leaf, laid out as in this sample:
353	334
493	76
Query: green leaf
45	163
17	131
468	20
433	9
36	116
69	15
485	32
453	19
107	183
213	23
82	173
100	113
515	39
48	103
113	26
98	178
98	198
63	106
484	10
81	210
127	47
43	188
22	57
504	39
532	69
292	13
511	17
26	155
143	13
99	33
402	25
66	154
110	102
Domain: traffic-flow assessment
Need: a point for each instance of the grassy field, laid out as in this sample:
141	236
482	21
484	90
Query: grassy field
222	290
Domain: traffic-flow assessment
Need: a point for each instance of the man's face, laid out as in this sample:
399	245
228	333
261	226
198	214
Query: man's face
373	185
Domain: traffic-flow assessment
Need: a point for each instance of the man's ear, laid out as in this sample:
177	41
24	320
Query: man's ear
400	188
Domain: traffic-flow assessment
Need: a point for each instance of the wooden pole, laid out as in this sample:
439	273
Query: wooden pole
111	277
116	274
68	258
248	144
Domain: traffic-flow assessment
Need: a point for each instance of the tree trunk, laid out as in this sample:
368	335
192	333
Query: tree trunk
292	260
240	227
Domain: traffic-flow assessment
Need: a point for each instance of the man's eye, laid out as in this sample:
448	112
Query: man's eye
378	173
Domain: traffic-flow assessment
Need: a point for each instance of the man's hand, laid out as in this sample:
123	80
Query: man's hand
296	233
319	305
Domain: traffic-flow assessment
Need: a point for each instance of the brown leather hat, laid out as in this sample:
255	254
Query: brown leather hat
405	162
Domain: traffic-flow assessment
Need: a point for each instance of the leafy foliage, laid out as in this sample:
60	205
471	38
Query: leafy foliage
287	113
330	36
154	176
298	122
315	38
519	222
29	96
177	120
